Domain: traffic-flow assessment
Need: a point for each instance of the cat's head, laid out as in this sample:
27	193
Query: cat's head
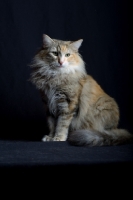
61	55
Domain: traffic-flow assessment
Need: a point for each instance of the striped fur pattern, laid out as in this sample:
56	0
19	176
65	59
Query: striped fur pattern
78	109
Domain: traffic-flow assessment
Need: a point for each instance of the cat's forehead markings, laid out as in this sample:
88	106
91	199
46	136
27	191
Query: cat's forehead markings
58	47
63	47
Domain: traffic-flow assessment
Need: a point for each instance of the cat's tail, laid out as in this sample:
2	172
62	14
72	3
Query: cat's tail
96	138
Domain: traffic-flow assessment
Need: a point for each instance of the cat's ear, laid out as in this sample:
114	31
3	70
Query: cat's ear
76	44
47	41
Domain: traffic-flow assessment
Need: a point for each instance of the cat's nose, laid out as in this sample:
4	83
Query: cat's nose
60	62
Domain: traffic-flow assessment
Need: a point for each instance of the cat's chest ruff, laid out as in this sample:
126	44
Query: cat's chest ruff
60	91
59	97
57	100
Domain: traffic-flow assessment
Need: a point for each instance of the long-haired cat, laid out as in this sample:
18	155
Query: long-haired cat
78	109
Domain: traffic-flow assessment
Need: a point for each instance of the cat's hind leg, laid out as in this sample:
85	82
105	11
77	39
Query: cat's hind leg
106	114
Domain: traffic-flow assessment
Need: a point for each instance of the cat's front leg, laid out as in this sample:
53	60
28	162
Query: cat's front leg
47	138
51	124
66	111
62	127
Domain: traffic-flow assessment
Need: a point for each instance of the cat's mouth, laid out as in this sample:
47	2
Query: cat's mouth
60	66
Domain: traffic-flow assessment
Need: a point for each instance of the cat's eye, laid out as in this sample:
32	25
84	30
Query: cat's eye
55	53
67	55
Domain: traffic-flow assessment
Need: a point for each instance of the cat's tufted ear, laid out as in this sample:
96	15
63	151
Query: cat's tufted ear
47	41
76	44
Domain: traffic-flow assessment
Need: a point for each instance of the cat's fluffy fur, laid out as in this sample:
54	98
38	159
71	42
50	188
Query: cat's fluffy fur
77	108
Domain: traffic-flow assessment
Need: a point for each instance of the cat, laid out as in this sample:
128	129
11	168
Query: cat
78	110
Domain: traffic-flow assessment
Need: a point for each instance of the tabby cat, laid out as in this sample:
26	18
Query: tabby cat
78	110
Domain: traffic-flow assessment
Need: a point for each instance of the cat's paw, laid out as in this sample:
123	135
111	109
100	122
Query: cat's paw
59	138
47	138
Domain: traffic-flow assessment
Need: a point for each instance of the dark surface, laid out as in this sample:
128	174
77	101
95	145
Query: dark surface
15	153
106	27
34	167
22	155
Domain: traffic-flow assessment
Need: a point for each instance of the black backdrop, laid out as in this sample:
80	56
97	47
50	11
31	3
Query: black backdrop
105	27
